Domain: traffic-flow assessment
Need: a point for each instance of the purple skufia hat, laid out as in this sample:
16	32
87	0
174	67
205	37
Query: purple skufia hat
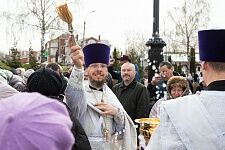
31	121
96	53
212	45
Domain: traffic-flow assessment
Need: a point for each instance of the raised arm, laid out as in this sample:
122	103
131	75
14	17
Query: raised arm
75	95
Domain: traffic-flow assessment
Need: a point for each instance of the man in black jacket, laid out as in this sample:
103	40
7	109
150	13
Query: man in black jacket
133	95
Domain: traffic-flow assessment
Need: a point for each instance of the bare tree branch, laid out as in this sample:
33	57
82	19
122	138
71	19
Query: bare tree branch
187	18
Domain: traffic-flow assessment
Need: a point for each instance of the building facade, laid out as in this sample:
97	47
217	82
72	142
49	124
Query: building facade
58	50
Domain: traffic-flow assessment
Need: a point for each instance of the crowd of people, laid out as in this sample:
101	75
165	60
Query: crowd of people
85	109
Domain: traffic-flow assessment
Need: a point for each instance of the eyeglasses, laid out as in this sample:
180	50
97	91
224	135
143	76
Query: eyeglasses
98	65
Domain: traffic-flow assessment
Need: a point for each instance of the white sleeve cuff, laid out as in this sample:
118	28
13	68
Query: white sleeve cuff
76	78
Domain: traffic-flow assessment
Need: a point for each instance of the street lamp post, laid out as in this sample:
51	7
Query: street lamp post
85	26
155	53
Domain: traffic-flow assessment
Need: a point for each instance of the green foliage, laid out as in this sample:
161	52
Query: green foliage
3	65
135	59
65	68
177	68
116	55
14	62
32	62
26	66
133	56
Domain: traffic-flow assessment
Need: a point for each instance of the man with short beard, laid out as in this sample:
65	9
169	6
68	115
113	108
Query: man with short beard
102	116
133	95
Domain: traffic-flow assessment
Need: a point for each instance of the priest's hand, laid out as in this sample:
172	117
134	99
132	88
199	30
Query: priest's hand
106	109
77	56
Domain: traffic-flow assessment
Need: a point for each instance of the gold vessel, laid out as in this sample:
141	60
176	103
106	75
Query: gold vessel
147	126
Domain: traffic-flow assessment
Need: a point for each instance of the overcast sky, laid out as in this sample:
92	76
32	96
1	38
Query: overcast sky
112	19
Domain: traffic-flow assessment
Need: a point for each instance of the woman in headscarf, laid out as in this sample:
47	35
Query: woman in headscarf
177	86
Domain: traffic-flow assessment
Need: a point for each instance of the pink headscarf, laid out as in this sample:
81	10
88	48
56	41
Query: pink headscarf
32	121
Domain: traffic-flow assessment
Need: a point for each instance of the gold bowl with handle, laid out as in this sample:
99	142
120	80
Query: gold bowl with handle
147	126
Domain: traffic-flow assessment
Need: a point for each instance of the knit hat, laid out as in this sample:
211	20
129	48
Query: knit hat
31	121
45	81
96	53
212	45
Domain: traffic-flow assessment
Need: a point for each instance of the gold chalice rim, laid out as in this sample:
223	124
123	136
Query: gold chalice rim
152	121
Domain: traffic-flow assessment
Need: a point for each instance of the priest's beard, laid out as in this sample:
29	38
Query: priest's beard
97	84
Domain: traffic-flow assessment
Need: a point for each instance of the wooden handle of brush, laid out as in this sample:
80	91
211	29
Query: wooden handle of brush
73	41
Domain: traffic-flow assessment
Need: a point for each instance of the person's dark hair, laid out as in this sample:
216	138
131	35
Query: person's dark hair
195	77
167	64
217	66
53	66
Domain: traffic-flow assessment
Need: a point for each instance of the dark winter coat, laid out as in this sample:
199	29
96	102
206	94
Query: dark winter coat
134	98
81	139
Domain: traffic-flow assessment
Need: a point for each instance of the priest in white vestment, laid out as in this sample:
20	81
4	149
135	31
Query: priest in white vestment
197	122
92	102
